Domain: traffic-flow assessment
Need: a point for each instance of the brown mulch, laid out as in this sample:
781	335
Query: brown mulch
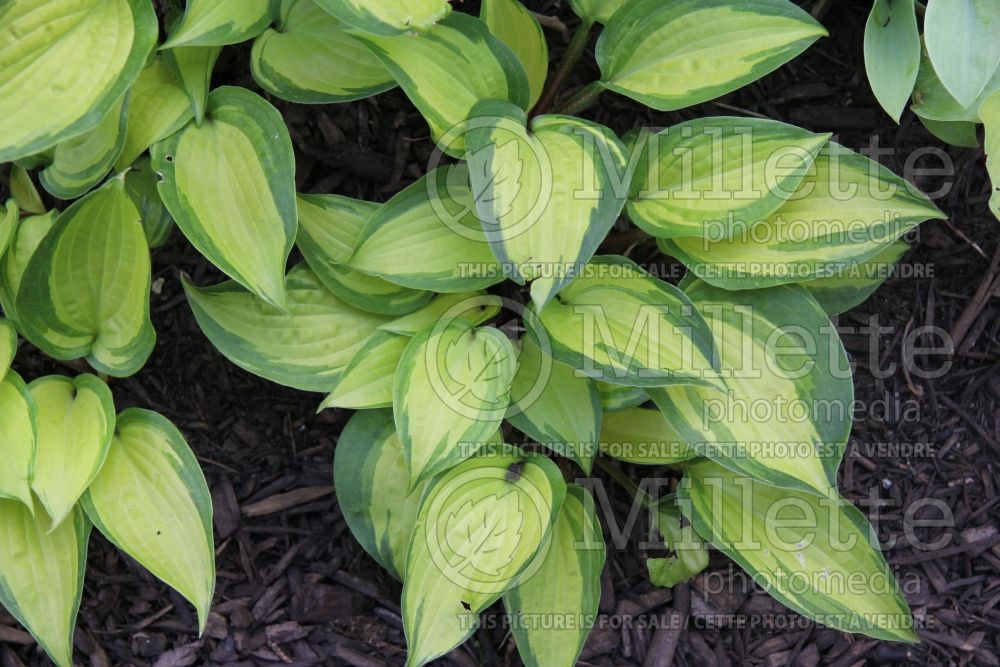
295	588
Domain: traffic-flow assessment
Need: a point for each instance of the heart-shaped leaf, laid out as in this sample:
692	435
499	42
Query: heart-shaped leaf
18	437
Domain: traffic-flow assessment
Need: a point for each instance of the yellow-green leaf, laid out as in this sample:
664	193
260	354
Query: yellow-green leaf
852	286
618	397
141	185
66	63
450	394
28	235
159	107
310	57
8	345
519	29
41	574
567	587
18	437
367	381
481	529
306	347
892	53
599	11
690	556
991	119
371	480
475	308
151	501
24	192
230	186
219	22
642	436
816	555
671	54
388	17
8	224
193	66
76	419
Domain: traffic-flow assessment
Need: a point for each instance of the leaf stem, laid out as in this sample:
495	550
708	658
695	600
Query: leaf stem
582	100
573	53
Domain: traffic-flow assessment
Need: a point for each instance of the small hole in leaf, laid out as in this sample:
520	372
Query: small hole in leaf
169	158
466	605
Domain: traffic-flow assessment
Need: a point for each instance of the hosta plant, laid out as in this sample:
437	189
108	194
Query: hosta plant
482	410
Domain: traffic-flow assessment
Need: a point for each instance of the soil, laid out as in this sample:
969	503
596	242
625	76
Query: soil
295	588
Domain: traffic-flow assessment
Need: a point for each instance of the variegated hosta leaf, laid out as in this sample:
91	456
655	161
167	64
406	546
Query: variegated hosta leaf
690	555
80	163
450	394
388	17
367	381
618	397
448	70
306	347
76	419
427	237
219	22
8	345
553	405
28	235
310	57
599	11
330	228
547	195
892	53
481	529
41	574
85	291
962	44
567	587
957	133
159	107
621	325
151	501
847	210
371	480
671	54
642	436
141	185
786	412
24	192
8	224
711	177
17	437
805	550
193	66
932	100
519	29
66	63
474	308
991	120
230	186
852	287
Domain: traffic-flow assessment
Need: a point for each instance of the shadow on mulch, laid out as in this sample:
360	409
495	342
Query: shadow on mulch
295	588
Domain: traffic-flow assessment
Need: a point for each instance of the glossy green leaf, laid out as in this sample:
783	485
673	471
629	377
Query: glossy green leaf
310	57
388	17
24	192
852	287
450	394
141	185
618	397
80	163
547	196
76	419
152	502
846	210
8	224
306	347
28	235
219	22
66	64
446	71
711	177
671	54
367	381
961	38
428	237
621	325
932	100
371	479
816	555
193	66
553	405
18	437
892	53
41	574
786	412
957	133
230	186
159	107
518	28
642	436
566	587
481	528
991	119
474	307
85	291
689	557
599	11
